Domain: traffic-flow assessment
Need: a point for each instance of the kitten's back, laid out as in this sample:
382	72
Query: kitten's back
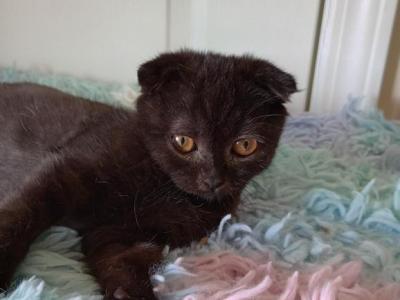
35	121
41	117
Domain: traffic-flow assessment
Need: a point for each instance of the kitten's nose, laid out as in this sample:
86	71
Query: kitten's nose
214	184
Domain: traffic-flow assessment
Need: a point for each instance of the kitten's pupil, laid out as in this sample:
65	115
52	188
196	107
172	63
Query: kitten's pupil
246	144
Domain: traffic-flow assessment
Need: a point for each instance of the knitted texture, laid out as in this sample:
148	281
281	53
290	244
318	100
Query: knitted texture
321	223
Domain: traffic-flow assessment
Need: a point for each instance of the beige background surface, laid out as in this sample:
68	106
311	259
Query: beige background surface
389	99
107	39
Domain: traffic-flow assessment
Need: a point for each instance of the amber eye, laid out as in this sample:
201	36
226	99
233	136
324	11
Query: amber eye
183	143
244	147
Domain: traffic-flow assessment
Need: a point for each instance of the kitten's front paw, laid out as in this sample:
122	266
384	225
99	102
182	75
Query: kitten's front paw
121	294
5	279
7	265
123	286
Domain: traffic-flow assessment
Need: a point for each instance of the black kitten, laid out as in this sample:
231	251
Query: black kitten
134	181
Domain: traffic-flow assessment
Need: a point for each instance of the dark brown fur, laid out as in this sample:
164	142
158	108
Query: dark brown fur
113	173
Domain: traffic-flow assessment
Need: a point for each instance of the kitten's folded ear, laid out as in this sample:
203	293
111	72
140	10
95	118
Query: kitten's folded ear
161	70
276	81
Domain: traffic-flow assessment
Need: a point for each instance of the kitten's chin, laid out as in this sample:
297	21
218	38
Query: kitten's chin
211	196
207	196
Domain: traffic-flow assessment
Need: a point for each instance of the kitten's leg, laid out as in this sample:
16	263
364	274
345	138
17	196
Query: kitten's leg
21	220
28	212
121	262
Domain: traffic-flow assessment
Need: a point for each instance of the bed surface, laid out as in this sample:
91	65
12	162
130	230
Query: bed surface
323	222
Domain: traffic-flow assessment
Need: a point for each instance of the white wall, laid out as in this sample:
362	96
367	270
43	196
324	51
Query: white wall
90	38
107	40
282	31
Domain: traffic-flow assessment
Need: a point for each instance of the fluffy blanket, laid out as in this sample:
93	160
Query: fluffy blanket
323	222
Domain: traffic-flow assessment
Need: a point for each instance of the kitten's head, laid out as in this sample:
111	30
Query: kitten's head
210	121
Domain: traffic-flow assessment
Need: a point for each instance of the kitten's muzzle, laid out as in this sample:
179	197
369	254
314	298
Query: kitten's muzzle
215	185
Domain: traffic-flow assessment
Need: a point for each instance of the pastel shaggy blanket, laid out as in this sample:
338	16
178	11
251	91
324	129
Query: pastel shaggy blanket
323	222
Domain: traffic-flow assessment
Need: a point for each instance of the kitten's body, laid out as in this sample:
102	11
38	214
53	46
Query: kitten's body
112	173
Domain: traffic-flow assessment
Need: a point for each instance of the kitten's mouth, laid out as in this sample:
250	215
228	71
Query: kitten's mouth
209	193
214	194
